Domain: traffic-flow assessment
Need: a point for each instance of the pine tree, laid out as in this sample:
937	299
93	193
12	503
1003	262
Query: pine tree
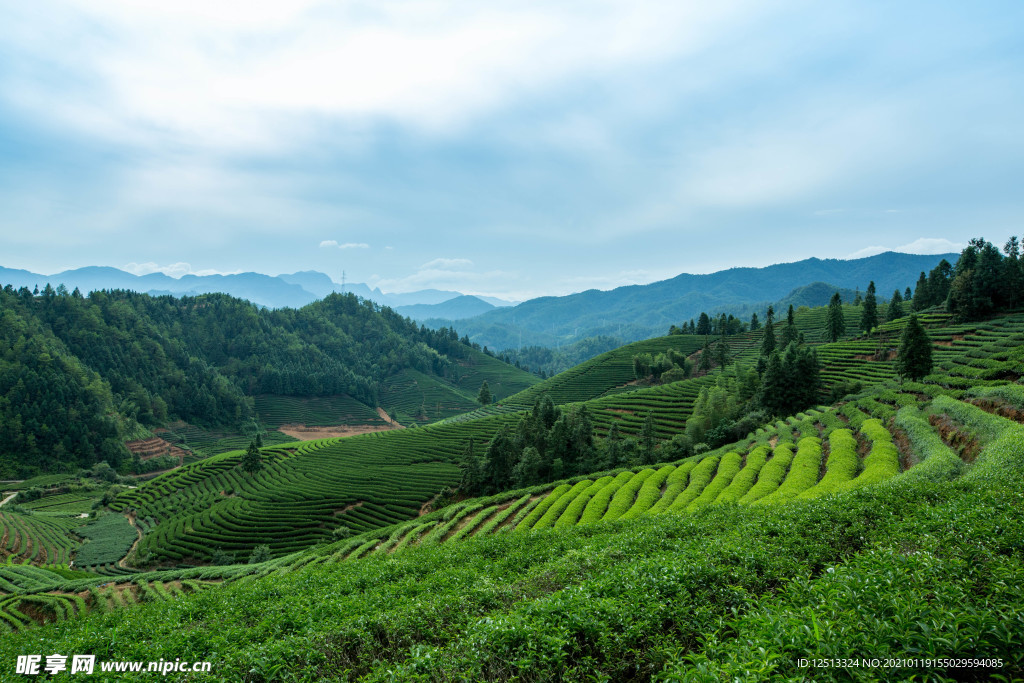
790	333
613	447
908	295
921	296
857	298
869	315
768	341
705	357
836	323
647	438
252	461
755	324
722	353
499	460
895	307
704	324
914	357
484	397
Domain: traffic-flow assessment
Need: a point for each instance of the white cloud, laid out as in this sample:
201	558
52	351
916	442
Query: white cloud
346	245
930	245
868	251
923	245
175	270
446	263
227	74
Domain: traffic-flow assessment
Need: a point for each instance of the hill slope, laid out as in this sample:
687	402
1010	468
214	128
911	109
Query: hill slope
641	311
152	360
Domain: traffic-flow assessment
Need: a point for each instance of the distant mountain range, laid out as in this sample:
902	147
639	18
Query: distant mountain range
626	313
642	311
292	290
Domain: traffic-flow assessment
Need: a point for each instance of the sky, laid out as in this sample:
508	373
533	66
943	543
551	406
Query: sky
506	148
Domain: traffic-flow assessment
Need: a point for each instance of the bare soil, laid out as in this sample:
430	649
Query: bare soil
907	457
307	433
147	449
387	418
961	442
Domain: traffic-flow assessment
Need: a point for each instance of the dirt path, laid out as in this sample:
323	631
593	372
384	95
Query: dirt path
304	433
131	520
8	498
387	418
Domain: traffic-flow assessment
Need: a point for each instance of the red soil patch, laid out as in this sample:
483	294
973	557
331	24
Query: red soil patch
387	418
907	456
961	442
826	451
999	408
147	449
306	433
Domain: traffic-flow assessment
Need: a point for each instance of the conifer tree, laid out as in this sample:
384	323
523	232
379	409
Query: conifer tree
869	315
722	353
914	357
703	324
484	397
790	333
835	323
647	437
895	307
613	447
252	461
908	295
755	324
768	341
921	297
705	357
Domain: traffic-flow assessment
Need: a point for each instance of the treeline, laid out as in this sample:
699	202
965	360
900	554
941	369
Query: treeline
546	362
71	360
550	443
984	281
722	326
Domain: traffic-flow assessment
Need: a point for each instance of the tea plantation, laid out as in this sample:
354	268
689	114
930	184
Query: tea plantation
887	526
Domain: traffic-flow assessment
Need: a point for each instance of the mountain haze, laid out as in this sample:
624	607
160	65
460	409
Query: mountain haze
640	311
293	290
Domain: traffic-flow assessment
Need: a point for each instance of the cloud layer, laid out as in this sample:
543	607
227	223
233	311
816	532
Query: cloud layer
543	146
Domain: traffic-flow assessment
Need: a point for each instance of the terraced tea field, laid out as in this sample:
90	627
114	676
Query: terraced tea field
314	411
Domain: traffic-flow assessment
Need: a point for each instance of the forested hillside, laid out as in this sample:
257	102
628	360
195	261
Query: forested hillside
75	366
640	311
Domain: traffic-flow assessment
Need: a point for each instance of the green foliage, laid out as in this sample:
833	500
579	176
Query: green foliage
841	467
260	553
882	461
650	492
869	310
108	539
914	357
803	473
252	461
1010	393
728	467
483	397
791	381
745	478
835	324
938	462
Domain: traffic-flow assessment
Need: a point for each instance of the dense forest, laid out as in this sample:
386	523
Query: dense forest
76	369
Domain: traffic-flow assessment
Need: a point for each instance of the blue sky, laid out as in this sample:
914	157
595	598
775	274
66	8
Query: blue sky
505	148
